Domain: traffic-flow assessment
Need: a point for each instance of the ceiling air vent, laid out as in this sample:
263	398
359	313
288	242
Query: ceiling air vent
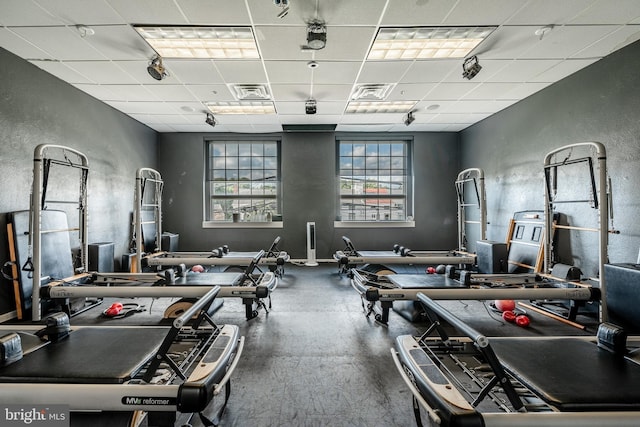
248	92
375	91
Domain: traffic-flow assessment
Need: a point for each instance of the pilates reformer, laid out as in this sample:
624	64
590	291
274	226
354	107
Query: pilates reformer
148	236
45	251
469	183
560	283
252	288
123	374
555	381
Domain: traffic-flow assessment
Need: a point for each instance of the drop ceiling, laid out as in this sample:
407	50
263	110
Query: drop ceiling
518	59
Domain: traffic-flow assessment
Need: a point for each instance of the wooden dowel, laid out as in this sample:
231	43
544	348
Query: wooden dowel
553	316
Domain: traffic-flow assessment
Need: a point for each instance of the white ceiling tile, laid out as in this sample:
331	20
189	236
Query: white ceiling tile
144	107
383	71
241	71
177	93
431	71
63	43
205	93
267	128
364	128
521	70
336	72
346	44
451	91
548	12
25	13
609	12
567	41
288	72
119	43
193	71
101	72
74	12
152	12
131	93
613	41
415	92
419	12
204	12
19	46
61	71
563	69
482	12
153	119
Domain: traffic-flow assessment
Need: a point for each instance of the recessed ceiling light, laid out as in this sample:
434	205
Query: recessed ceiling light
245	107
426	42
201	42
373	107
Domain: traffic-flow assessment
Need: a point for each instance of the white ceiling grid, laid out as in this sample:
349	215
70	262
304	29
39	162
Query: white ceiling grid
110	65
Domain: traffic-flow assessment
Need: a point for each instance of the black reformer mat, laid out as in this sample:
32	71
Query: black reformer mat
473	380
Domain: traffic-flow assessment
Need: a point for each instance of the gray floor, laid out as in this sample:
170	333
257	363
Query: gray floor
316	360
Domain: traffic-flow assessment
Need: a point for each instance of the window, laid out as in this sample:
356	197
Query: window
242	182
375	180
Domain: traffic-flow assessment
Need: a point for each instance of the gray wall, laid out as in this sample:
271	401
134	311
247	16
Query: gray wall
37	108
600	103
309	194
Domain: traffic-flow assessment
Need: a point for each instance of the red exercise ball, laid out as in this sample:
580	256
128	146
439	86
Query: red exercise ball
197	268
505	304
522	320
431	270
509	316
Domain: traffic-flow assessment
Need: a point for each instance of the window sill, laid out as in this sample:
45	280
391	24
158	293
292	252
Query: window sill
374	224
248	224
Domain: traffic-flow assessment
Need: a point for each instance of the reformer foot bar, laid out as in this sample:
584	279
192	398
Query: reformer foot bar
168	372
148	232
381	292
558	381
469	183
252	288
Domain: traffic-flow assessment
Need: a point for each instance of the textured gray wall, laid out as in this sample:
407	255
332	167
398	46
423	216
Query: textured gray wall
600	103
309	194
37	108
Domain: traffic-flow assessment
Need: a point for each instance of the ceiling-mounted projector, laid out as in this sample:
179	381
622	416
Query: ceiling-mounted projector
316	35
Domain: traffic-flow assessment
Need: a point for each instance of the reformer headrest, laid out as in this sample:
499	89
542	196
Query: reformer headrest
10	349
612	338
57	327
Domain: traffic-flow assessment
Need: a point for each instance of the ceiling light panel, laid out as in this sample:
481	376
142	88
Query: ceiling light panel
201	42
426	42
373	107
253	107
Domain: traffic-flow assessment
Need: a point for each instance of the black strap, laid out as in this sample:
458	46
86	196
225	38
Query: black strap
416	412
216	419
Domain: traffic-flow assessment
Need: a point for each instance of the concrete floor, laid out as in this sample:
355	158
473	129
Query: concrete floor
315	360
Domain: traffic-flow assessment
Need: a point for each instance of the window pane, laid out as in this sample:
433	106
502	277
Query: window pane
248	172
373	180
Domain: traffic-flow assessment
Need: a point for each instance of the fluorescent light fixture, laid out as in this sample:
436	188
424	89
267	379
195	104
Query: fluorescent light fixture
373	107
426	42
252	107
201	42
